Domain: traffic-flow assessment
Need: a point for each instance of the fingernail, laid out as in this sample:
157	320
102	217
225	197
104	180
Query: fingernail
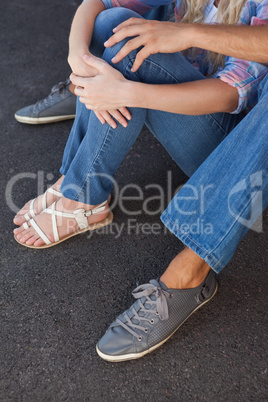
115	29
106	43
124	125
129	117
113	59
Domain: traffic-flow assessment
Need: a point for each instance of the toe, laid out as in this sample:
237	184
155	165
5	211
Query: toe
39	242
31	241
24	236
19	220
18	230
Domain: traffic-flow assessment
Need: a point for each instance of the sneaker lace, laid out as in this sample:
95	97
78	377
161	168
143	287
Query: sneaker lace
60	88
154	302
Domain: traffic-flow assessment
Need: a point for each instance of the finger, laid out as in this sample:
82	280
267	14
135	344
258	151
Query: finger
79	91
125	112
100	117
119	117
140	57
130	21
91	106
127	48
79	81
125	32
95	62
108	118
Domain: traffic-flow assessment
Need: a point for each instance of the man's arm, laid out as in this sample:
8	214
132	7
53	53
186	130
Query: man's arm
243	42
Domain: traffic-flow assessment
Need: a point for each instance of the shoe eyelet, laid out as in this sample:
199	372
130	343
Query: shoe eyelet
152	321
156	313
146	330
140	338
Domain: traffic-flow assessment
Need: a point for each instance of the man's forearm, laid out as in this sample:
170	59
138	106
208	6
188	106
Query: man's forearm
244	42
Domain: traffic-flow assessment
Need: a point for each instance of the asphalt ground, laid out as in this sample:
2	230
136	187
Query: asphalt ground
57	303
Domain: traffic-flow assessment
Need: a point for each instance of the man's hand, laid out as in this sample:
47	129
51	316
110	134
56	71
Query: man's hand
152	36
103	93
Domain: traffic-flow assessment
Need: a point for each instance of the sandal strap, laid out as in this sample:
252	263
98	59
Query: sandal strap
55	192
39	231
54	224
80	215
31	214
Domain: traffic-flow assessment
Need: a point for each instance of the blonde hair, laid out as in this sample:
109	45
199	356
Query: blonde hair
228	13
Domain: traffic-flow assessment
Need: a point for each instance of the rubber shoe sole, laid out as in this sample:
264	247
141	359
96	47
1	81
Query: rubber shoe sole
42	120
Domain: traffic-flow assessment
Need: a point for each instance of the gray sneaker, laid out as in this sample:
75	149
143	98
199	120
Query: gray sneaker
59	105
157	313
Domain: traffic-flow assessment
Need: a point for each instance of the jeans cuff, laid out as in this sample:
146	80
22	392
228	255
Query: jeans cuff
63	171
193	245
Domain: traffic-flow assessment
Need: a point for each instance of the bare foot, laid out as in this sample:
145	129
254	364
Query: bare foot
66	226
38	205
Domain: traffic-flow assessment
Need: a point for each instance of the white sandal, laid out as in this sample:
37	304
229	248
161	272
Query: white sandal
31	214
80	215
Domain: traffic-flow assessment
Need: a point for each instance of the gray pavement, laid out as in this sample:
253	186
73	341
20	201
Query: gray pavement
58	302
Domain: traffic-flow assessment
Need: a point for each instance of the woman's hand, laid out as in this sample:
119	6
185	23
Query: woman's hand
121	115
79	66
104	93
152	36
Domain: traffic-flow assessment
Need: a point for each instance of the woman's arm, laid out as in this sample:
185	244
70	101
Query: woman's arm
191	98
195	98
81	34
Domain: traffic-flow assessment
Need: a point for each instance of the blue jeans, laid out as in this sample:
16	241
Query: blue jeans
95	151
225	196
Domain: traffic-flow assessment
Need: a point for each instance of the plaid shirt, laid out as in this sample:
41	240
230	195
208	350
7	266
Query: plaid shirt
242	74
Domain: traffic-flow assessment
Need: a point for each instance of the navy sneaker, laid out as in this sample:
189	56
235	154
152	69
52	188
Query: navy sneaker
59	105
157	313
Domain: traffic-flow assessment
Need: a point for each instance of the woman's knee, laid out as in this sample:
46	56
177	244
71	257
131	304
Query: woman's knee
106	21
110	18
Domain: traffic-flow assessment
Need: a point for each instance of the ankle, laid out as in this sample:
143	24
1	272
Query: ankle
71	88
185	271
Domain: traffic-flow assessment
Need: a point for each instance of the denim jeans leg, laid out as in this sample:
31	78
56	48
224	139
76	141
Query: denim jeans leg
188	139
104	24
225	196
103	149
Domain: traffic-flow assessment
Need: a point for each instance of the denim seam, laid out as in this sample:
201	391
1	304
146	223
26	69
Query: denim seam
94	162
217	263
